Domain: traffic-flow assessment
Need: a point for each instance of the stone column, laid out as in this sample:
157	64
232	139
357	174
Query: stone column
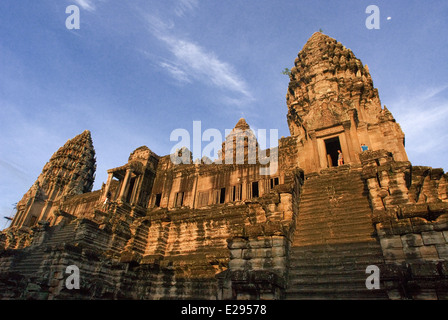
137	189
354	136
109	180
246	191
316	161
195	188
350	157
124	185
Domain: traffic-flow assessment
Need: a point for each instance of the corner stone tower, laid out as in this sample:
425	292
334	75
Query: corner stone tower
333	105
70	171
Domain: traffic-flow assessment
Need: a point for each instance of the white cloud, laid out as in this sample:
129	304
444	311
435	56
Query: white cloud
205	66
423	117
190	61
184	6
86	4
176	72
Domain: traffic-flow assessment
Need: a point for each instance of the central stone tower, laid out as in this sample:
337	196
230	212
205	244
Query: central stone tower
333	105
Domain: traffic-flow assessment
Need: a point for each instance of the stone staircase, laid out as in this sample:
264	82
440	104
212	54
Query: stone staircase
334	240
32	259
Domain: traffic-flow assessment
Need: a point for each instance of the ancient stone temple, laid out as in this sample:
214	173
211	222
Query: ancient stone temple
343	200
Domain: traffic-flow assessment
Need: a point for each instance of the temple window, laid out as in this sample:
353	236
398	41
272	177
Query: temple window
255	190
179	199
202	199
157	200
222	195
274	182
236	192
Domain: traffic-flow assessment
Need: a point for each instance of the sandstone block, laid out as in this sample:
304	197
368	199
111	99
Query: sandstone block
438	206
441	223
238	243
278	241
445	235
248	254
412	240
414	210
442	250
412	253
433	237
256	263
271	208
254	230
236	254
262	253
391	242
279	262
261	243
384	229
278	252
402	226
429	252
237	264
424	270
421	225
394	254
267	296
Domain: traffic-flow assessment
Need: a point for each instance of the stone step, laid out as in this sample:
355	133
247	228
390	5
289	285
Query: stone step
318	293
324	202
334	220
332	268
324	239
354	279
370	245
334	240
348	255
30	263
325	267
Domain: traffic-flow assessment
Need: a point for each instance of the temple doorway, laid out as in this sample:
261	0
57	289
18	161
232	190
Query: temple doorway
332	146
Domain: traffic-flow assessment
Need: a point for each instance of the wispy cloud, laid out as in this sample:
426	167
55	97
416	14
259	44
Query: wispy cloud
204	65
175	71
184	6
192	62
423	117
86	4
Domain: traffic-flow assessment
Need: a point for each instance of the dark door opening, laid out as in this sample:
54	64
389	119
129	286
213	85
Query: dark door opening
222	196
158	200
255	193
332	146
131	189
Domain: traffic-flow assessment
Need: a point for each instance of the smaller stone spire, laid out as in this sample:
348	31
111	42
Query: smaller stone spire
242	124
241	144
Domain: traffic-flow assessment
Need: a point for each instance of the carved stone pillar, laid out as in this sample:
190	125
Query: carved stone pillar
109	180
349	142
316	161
354	135
125	185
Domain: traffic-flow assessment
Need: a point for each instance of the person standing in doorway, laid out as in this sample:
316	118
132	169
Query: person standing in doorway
340	158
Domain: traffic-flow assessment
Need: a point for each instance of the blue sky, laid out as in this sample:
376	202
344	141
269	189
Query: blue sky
137	70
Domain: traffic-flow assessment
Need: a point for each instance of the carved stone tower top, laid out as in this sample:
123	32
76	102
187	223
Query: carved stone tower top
332	101
70	171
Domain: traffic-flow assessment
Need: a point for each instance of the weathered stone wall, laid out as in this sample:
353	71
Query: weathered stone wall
331	96
410	213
